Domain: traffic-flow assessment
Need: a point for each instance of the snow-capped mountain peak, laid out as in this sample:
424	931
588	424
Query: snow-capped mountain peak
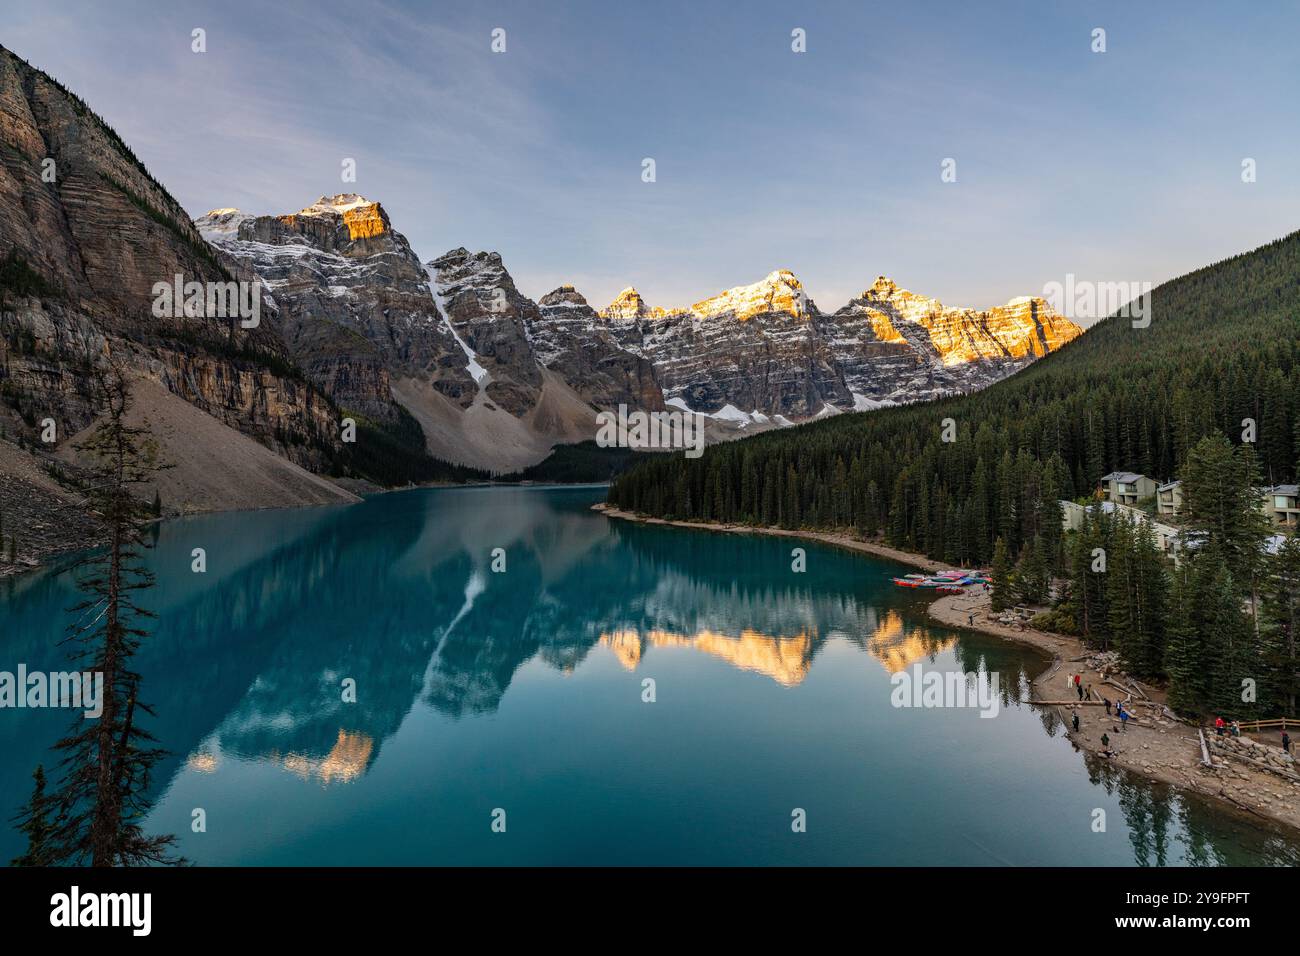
364	219
779	291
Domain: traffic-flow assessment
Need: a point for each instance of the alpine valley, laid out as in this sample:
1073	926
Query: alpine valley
447	369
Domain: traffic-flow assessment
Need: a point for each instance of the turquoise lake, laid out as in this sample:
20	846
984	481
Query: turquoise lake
523	691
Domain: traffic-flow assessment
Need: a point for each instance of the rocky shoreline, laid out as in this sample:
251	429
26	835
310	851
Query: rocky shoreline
1155	744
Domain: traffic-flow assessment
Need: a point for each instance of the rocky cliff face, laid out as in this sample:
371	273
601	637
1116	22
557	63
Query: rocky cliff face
755	348
354	302
490	317
895	346
89	232
571	339
766	348
484	375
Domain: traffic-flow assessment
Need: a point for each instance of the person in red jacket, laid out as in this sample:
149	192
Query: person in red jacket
1218	725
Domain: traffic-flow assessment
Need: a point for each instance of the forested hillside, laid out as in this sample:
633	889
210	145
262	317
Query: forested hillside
1222	346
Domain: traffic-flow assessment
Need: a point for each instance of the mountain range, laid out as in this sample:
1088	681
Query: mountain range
1218	360
496	379
447	369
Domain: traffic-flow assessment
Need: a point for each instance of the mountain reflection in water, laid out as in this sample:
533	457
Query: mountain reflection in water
523	688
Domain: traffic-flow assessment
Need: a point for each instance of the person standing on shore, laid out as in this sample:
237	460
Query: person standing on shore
1286	742
1079	688
1075	720
1123	718
1218	725
1106	701
1105	740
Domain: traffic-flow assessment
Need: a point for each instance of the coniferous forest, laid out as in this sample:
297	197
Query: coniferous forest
1208	393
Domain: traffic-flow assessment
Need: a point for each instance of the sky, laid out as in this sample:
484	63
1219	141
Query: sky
1117	166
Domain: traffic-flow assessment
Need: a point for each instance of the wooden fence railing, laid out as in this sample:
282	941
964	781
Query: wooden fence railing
1280	723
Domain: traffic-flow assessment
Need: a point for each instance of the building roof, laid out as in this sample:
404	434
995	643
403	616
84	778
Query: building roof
1292	490
1169	486
1272	544
1125	476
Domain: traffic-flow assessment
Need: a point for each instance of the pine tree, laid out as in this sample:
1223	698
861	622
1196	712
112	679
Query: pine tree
1185	655
980	532
1151	605
1032	575
38	821
1049	515
1210	646
1077	580
1233	660
1121	610
1006	523
1003	585
1090	580
748	506
899	513
1221	498
1281	633
107	762
1137	595
869	522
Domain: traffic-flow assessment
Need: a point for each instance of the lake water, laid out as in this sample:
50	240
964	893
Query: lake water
524	691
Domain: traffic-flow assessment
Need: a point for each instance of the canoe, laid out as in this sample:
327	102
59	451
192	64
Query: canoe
950	583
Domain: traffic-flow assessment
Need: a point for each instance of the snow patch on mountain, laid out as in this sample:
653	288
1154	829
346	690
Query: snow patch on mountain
863	404
476	370
730	414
